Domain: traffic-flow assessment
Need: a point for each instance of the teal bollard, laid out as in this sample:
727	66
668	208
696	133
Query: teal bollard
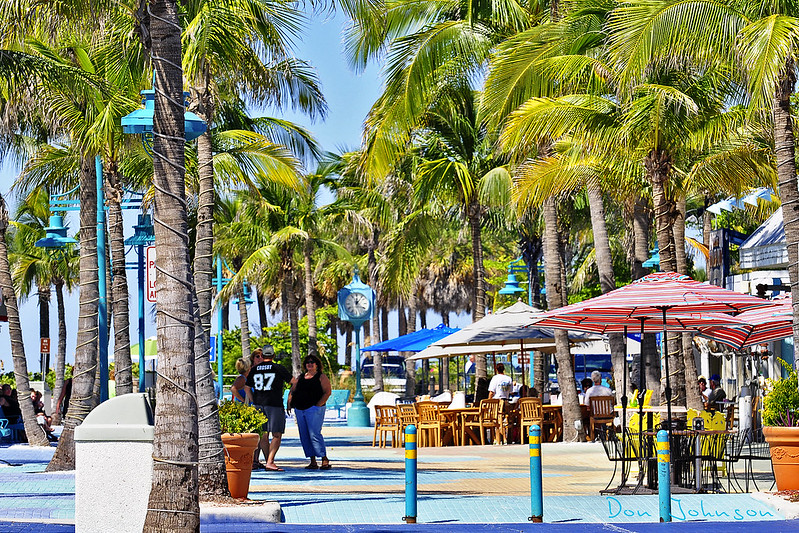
536	476
410	475
664	476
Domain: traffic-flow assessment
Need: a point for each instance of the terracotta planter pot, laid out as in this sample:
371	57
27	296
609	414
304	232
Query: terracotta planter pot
239	449
784	445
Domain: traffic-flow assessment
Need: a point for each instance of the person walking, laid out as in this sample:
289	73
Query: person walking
308	395
264	389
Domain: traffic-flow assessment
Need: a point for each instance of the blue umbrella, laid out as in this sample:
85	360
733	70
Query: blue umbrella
412	342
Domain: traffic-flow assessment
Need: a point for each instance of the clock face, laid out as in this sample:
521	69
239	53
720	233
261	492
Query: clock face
356	304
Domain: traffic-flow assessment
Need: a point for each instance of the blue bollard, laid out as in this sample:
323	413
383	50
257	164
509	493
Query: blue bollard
664	481
536	476
410	475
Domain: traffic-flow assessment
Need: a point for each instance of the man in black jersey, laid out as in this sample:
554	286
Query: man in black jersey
264	390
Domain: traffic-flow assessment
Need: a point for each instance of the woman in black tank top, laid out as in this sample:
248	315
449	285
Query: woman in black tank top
308	395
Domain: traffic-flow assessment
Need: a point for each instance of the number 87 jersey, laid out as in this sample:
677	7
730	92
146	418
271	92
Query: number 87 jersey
267	381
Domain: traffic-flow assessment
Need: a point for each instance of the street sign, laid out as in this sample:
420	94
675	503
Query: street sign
44	345
212	355
151	274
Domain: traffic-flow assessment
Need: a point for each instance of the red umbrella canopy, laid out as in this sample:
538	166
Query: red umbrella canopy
687	322
650	297
762	325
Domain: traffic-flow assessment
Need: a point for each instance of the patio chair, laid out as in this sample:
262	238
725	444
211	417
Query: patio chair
338	400
626	453
730	417
487	420
430	421
407	415
747	446
530	413
386	421
602	413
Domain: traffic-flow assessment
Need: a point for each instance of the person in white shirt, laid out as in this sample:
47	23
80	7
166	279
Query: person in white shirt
500	385
598	389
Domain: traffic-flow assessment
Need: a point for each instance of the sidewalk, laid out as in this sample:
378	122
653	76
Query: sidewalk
456	485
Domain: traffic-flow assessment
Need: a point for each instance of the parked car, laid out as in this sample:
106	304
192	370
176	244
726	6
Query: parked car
393	373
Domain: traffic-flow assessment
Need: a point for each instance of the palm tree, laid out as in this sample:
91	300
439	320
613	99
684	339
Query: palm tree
33	430
174	498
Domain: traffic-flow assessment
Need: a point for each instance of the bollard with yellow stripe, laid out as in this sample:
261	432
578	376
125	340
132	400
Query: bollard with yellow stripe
664	475
410	475
536	476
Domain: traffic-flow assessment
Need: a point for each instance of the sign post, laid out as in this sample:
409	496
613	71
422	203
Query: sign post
151	274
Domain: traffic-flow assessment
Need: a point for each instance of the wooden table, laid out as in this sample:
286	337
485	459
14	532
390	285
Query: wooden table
457	418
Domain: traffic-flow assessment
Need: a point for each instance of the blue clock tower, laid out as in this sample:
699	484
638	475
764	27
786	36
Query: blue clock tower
356	303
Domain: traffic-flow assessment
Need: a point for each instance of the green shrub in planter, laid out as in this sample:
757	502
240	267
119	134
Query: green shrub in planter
781	403
235	417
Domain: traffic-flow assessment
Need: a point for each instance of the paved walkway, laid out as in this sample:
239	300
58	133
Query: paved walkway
457	485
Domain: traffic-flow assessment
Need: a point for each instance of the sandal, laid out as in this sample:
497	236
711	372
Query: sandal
325	467
312	466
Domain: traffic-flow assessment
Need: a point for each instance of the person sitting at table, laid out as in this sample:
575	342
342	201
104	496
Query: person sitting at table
703	389
597	389
716	394
500	385
586	384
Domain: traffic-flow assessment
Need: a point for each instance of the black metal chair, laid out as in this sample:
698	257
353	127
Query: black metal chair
747	446
624	451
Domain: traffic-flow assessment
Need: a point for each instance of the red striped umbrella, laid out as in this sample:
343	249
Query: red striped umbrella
651	298
688	322
762	325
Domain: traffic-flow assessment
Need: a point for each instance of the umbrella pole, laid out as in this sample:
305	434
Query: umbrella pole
665	346
641	396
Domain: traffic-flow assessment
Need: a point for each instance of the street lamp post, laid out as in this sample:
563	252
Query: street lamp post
56	237
143	236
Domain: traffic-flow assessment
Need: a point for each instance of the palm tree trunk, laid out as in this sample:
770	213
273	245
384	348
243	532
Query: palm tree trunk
475	214
568	386
61	357
211	469
123	373
203	249
291	304
310	304
261	312
658	168
641	224
33	430
607	282
784	153
410	366
244	318
83	373
371	268
174	498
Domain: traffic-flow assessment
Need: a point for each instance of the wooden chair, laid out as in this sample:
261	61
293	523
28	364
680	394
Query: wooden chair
430	421
386	421
487	420
407	415
602	413
530	413
731	417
